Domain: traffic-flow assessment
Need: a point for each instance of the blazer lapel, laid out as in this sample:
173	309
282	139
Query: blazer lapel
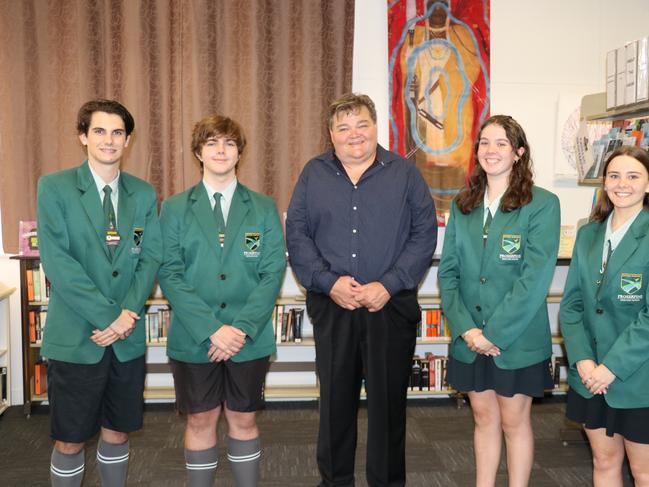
125	215
628	244
238	210
91	203
474	227
594	255
200	206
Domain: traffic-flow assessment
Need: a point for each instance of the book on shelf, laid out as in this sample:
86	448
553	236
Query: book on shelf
620	77
36	323
559	369
27	238
38	286
433	323
567	239
642	72
40	378
3	385
289	324
610	79
156	324
631	52
428	373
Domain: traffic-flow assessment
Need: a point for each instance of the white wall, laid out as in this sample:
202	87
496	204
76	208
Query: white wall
539	52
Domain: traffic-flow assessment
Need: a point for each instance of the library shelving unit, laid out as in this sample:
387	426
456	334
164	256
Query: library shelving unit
292	375
5	356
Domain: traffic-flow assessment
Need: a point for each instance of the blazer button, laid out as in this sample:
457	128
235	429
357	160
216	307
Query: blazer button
478	307
483	280
223	305
115	273
599	311
222	277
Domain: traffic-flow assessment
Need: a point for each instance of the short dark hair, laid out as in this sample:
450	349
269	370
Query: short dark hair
604	205
214	126
351	103
107	106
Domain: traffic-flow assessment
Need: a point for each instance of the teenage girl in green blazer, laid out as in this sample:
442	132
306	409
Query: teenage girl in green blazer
499	255
605	322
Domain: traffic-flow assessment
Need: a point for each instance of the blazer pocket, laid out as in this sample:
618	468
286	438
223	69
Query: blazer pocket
510	247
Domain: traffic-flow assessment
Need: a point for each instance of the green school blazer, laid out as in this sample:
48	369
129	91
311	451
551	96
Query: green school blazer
209	286
502	287
609	322
89	290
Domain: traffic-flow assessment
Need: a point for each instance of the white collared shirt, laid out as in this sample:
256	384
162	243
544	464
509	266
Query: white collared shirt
492	207
615	237
114	186
226	197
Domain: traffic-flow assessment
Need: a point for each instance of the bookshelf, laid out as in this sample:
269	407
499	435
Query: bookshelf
5	356
291	376
593	112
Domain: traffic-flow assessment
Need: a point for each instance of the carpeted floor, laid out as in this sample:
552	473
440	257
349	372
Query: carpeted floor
439	448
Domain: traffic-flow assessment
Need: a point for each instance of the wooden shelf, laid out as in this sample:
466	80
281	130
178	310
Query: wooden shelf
306	342
3	407
593	107
3	351
433	341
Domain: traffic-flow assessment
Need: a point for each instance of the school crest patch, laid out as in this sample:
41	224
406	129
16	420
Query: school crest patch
252	243
511	247
631	284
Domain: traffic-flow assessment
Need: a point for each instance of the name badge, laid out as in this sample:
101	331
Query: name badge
112	238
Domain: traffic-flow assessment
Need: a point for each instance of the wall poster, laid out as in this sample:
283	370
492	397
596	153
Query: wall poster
439	87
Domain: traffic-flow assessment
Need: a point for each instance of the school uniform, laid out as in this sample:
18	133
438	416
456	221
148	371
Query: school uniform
90	287
604	318
500	285
209	285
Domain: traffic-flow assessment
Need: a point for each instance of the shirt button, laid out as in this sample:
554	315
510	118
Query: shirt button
222	277
354	255
483	280
223	305
478	308
354	230
354	208
599	311
355	187
115	273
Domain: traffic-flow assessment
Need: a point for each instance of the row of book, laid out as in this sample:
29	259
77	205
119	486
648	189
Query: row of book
157	325
36	321
633	132
627	74
288	323
433	324
38	286
428	373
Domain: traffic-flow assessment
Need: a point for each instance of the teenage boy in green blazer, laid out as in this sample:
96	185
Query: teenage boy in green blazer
223	266
101	248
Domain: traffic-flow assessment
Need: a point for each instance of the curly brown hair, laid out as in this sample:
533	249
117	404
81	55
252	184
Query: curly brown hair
519	190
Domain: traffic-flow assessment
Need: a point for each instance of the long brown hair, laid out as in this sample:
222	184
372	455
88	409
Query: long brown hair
604	205
519	190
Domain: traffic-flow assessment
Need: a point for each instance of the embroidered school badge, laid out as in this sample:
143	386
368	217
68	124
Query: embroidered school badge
511	246
252	242
630	284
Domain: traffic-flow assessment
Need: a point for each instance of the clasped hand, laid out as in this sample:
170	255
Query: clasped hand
478	343
226	342
119	329
349	294
595	377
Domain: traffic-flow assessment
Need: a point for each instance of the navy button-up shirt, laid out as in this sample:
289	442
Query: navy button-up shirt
382	228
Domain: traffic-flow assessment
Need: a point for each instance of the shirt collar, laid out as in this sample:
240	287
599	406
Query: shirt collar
616	236
100	183
227	192
493	205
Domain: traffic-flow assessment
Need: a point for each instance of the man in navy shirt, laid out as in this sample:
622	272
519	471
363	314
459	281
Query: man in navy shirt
361	232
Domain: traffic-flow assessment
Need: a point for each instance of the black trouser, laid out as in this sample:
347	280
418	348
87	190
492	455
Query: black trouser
351	345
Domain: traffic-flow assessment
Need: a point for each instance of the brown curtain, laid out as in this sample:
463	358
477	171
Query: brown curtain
272	65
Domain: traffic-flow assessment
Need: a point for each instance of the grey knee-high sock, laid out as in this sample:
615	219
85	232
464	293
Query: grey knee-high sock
244	458
66	470
201	466
112	462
